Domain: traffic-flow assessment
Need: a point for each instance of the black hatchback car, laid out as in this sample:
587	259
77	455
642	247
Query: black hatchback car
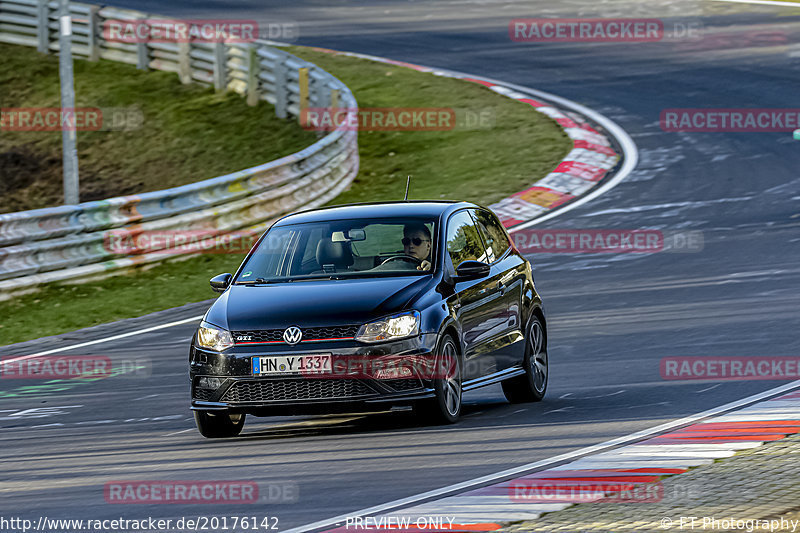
366	307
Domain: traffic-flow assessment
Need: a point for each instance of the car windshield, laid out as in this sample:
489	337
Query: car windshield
342	248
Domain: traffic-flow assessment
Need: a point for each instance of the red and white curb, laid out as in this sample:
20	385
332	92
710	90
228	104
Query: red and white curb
591	159
626	473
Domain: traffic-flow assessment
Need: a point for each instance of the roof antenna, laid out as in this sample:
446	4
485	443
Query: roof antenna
408	185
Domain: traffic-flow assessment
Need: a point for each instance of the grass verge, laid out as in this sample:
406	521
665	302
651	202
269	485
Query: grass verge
481	165
187	132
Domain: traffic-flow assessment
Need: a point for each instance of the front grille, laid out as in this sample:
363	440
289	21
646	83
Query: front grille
402	384
295	389
319	333
202	394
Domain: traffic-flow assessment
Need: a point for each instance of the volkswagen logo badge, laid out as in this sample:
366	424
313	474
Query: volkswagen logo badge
292	335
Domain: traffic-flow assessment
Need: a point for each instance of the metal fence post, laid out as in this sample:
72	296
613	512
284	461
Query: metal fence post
142	55
253	68
220	66
302	80
94	44
184	62
69	134
334	99
281	88
320	98
43	26
322	95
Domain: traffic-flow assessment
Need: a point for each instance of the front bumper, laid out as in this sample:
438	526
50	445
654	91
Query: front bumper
349	388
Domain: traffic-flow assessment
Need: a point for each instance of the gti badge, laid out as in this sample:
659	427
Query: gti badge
292	335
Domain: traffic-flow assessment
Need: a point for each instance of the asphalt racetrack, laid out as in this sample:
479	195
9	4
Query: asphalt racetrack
612	317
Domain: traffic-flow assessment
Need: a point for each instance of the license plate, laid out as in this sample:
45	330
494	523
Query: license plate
291	364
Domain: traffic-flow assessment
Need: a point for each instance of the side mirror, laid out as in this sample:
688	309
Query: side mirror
220	283
472	270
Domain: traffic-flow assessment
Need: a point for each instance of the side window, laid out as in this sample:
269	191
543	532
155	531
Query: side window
265	260
463	241
494	234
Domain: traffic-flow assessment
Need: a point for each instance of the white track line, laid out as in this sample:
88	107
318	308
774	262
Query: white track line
106	339
179	432
639	435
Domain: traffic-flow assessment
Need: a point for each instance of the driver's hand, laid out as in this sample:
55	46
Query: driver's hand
425	265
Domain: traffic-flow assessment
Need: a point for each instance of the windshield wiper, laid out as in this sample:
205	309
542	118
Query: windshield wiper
332	276
261	281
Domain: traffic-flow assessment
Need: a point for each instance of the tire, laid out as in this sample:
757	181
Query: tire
445	407
531	386
219	425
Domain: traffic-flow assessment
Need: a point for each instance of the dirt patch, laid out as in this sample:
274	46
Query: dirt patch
27	179
187	133
32	180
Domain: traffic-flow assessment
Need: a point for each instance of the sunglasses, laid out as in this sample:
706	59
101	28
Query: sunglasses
416	240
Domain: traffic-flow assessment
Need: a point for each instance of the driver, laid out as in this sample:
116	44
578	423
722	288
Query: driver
417	243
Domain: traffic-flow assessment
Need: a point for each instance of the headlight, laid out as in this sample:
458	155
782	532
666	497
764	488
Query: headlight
212	337
390	328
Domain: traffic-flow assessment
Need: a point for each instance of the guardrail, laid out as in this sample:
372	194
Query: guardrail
66	242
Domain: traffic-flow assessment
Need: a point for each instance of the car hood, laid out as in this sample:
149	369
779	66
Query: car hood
313	303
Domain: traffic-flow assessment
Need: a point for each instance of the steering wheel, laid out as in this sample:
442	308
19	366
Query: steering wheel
403	257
